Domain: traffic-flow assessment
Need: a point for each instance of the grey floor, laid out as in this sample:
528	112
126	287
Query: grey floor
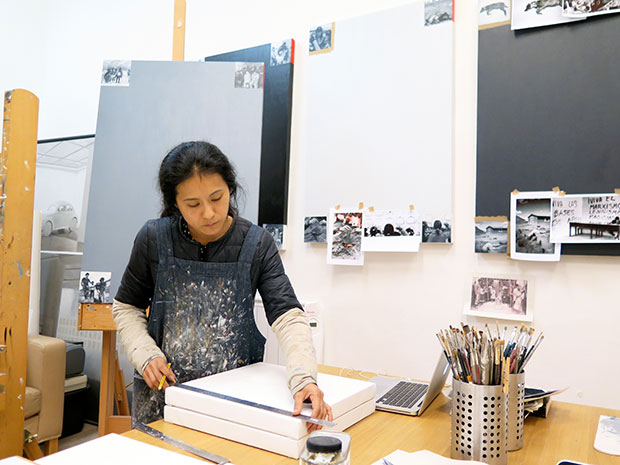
88	432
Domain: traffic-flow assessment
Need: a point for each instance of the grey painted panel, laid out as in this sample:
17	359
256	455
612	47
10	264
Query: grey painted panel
166	103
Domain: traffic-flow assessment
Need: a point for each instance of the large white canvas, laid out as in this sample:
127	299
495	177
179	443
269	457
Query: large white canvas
378	115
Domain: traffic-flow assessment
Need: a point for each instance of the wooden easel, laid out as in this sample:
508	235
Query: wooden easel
98	317
17	169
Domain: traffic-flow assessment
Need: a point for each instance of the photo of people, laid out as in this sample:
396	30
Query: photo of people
344	240
115	73
391	231
585	218
315	229
530	226
321	39
499	298
281	52
249	75
95	287
436	230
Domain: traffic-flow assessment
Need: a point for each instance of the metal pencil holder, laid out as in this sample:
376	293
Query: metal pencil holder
516	393
478	423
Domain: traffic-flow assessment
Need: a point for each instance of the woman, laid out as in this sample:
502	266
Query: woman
198	268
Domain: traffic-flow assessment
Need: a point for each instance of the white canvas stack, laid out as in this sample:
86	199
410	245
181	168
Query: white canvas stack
351	401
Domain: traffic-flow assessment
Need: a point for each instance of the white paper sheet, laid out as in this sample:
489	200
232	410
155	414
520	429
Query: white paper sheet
537	13
421	457
117	450
530	225
391	231
587	218
607	438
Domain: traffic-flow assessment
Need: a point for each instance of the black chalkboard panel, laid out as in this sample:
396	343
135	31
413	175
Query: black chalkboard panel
275	146
549	114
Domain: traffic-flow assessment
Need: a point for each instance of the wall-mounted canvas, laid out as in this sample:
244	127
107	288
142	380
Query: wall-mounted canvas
378	115
278	59
166	103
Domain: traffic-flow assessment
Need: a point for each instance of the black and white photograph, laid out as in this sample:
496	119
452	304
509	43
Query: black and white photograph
249	75
585	8
437	11
537	13
321	39
499	298
116	73
315	229
60	181
281	52
493	13
436	230
277	232
491	234
530	226
593	218
95	287
344	238
391	231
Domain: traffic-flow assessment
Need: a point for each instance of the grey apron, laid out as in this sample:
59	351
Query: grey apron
202	317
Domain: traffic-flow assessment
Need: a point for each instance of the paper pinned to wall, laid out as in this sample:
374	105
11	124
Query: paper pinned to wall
392	231
344	238
530	225
586	218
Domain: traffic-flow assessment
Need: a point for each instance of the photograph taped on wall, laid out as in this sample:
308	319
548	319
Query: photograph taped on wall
530	227
491	234
315	229
499	298
537	13
404	120
436	230
391	231
585	8
62	168
116	73
277	232
344	238
249	75
281	52
321	39
493	13
437	11
585	218
95	287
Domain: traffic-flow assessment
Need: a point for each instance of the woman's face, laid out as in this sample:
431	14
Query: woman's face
203	201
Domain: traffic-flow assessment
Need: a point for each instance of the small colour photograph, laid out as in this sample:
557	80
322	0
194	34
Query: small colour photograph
437	11
249	75
315	229
115	73
95	287
344	238
321	39
277	232
501	298
281	53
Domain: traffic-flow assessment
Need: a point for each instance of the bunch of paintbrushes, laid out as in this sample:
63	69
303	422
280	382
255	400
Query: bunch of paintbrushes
486	356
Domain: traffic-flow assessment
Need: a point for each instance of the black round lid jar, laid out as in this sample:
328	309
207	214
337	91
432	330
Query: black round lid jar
323	444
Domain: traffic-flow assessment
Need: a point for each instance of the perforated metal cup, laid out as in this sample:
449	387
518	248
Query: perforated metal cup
479	423
516	394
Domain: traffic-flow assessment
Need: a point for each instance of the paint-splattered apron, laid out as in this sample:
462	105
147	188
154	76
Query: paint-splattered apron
201	316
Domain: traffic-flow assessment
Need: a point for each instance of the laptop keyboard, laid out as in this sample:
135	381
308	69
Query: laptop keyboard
404	395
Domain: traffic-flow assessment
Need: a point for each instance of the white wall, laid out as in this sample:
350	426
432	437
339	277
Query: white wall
381	317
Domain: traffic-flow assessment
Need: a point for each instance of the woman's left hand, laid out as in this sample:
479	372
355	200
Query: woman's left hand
320	409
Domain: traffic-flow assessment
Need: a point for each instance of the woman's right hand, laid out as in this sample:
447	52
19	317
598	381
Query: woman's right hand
155	370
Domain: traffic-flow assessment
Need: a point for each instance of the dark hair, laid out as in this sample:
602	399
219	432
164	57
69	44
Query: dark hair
188	159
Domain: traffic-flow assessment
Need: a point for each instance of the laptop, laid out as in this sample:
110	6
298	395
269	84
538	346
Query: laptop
410	397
